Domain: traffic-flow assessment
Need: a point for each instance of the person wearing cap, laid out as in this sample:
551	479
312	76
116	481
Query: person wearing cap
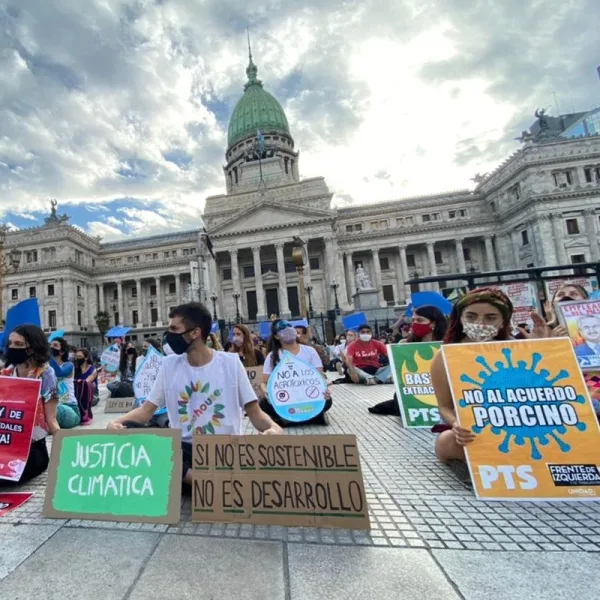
363	359
284	338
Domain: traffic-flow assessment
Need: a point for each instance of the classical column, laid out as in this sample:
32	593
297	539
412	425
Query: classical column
60	313
350	283
120	303
432	266
235	270
138	291
159	307
307	270
516	244
329	272
548	254
41	295
590	228
260	292
559	238
101	297
377	284
404	270
489	253
284	305
215	284
338	263
178	288
460	255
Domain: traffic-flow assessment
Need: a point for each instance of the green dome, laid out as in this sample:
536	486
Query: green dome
256	109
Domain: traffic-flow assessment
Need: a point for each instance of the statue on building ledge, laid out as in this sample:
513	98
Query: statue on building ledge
54	218
362	279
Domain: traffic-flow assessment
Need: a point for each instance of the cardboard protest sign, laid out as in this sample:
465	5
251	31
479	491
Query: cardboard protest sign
12	500
590	284
110	358
145	374
255	377
296	389
116	475
309	480
411	366
582	320
537	436
19	403
119	405
524	297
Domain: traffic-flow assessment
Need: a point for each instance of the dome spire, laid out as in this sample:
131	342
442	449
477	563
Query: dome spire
251	69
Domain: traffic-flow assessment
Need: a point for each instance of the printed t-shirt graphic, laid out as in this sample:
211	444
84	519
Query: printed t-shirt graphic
366	354
207	399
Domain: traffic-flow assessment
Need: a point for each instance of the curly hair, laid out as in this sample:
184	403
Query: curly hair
37	342
486	295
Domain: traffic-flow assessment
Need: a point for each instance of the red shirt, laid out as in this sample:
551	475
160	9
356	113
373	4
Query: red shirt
366	354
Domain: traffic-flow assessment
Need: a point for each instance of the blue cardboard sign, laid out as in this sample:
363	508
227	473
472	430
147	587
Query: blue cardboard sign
354	320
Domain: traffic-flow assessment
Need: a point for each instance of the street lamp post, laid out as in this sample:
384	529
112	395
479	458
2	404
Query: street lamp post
309	289
236	296
214	299
334	286
8	264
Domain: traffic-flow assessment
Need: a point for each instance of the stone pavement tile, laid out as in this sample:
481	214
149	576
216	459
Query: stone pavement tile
365	574
521	575
18	542
185	567
81	564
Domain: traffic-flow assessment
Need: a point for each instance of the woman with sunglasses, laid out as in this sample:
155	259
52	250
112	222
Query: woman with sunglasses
284	337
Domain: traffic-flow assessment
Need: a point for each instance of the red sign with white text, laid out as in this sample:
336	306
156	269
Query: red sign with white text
18	404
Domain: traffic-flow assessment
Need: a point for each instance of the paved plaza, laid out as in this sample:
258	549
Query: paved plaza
430	539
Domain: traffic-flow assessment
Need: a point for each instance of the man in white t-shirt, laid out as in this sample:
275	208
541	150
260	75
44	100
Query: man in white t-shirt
203	390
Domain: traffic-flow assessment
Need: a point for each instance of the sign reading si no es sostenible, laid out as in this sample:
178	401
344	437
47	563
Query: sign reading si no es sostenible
313	481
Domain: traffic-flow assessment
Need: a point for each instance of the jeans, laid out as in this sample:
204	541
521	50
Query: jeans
382	375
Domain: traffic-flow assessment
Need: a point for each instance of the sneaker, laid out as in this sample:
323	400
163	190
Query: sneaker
340	368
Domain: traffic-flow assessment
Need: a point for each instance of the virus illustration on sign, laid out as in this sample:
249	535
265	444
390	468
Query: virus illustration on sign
531	420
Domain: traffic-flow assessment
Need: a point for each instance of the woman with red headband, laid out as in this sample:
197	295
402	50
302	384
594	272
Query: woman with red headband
482	315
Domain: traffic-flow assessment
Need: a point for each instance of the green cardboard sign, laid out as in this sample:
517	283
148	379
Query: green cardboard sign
411	372
124	475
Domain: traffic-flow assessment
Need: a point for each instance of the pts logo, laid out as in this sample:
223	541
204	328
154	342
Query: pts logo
508	475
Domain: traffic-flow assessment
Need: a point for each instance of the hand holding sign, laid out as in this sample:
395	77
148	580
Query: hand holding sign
296	389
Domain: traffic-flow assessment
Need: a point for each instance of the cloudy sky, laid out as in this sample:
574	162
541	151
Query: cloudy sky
119	108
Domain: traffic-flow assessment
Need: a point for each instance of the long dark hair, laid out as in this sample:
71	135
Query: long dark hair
88	359
491	296
64	348
435	315
273	344
123	361
37	342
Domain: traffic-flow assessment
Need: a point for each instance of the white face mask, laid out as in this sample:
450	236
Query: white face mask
480	333
365	337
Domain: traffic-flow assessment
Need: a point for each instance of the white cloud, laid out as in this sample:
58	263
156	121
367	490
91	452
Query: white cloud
105	231
385	98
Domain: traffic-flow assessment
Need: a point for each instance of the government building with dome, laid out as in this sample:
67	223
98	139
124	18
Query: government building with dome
540	207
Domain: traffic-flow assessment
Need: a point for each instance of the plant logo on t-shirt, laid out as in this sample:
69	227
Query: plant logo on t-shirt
205	402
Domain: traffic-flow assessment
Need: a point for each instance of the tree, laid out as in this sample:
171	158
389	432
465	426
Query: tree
102	319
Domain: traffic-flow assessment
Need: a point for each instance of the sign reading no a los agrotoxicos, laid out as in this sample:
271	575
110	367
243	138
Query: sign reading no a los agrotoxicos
537	437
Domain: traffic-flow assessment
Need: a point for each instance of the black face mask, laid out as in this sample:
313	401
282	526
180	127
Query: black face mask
80	361
16	356
55	351
130	350
567	299
177	342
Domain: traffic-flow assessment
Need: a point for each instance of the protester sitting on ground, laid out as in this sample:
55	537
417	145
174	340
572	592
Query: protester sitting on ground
304	338
68	414
224	382
482	315
243	346
27	356
123	388
363	359
212	341
285	338
342	368
428	325
86	384
335	353
151	342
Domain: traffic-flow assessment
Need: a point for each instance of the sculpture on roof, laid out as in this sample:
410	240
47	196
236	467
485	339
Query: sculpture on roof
540	115
53	217
478	178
